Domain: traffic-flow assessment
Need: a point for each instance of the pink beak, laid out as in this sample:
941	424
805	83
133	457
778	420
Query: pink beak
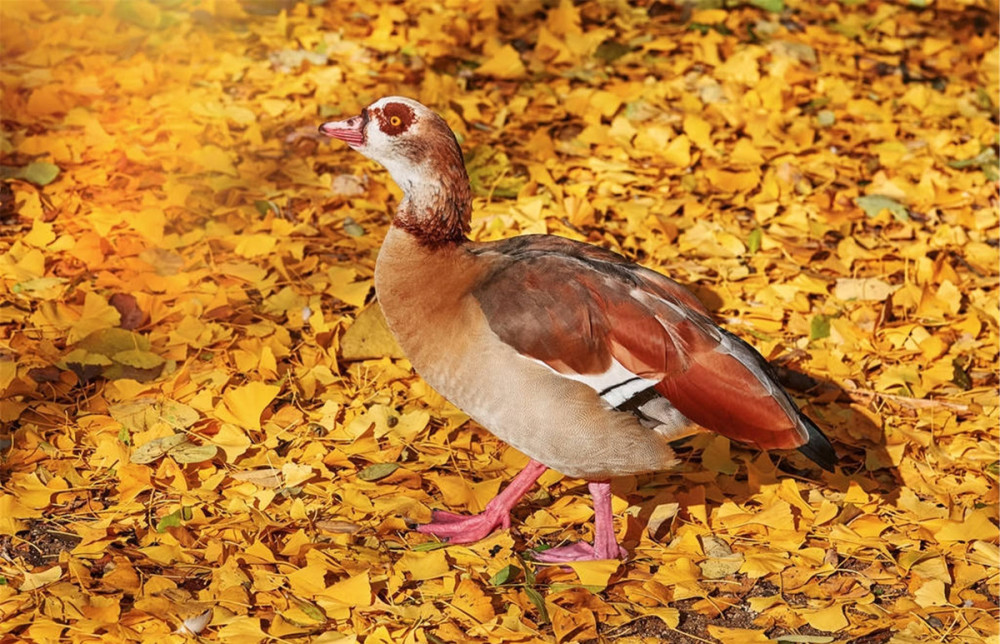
351	131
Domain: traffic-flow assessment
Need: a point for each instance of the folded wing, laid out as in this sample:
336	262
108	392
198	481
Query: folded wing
636	336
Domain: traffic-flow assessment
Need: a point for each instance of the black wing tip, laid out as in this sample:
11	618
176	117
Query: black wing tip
818	448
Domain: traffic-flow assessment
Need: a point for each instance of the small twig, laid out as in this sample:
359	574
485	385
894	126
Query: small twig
692	636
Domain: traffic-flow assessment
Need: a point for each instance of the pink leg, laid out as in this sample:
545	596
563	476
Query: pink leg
457	528
605	543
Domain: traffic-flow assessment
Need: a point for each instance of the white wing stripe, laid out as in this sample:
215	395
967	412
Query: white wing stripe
615	386
623	392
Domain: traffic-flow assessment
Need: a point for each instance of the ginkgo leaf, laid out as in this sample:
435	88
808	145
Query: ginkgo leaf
214	159
308	581
40	173
97	315
138	359
296	473
721	561
233	440
36	580
421	566
172	520
156	448
40	235
699	131
344	287
266	477
595	574
189	453
352	591
377	471
244	405
504	575
716	456
136	415
505	63
470	600
874	204
13	514
178	415
865	289
830	619
369	337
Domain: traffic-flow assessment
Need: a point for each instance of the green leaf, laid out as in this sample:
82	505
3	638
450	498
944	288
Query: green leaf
504	575
987	156
124	436
817	104
959	376
994	468
819	327
773	6
377	471
428	546
353	228
610	50
40	173
314	612
759	335
984	99
172	520
874	204
826	118
539	602
753	241
529	574
263	206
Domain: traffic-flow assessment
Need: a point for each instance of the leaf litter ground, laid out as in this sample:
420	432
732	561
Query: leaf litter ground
205	425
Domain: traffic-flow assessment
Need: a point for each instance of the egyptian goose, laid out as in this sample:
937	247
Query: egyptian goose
587	363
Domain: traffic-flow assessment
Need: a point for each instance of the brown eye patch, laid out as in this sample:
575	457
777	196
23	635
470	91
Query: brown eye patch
395	118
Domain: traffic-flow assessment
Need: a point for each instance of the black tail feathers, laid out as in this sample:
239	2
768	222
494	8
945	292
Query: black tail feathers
818	448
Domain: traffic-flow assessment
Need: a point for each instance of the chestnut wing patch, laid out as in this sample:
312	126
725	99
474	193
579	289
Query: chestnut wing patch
558	305
592	316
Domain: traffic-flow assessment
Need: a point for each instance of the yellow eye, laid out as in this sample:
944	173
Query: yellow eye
395	121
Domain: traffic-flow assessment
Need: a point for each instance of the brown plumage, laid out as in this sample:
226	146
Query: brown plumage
584	361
